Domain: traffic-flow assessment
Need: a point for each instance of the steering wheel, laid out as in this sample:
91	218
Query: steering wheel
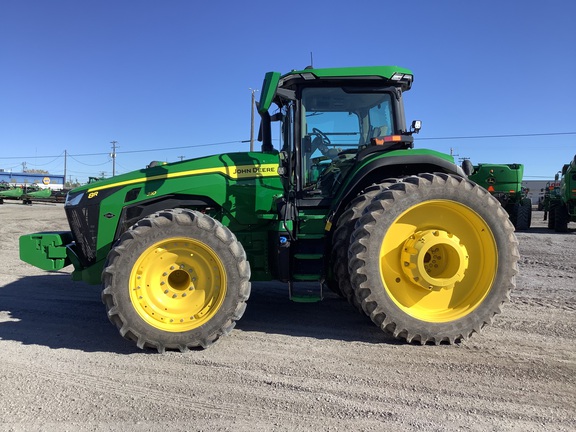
323	145
325	140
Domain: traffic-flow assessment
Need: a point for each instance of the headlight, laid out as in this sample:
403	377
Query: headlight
73	199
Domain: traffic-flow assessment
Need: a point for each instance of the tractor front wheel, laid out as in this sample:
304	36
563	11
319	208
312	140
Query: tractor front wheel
178	279
433	258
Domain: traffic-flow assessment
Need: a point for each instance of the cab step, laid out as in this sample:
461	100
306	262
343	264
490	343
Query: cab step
305	292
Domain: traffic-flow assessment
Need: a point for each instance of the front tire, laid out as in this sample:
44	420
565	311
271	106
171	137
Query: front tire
433	259
178	279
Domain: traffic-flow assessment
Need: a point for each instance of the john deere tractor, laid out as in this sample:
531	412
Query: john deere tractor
550	193
562	203
339	197
504	182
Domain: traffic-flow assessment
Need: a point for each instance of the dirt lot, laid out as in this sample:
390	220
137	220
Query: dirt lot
287	366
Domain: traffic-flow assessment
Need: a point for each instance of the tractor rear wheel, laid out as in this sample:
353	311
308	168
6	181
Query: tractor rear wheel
561	218
178	279
342	236
513	209
433	259
524	216
552	217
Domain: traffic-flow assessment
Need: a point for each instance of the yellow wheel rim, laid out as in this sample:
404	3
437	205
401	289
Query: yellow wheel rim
177	284
438	261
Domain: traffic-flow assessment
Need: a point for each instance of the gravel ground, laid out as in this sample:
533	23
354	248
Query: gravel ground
287	366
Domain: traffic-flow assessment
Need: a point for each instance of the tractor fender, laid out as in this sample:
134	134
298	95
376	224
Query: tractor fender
387	167
133	213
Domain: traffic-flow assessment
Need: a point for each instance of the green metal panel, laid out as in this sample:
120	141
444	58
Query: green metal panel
499	178
360	71
47	250
568	188
268	90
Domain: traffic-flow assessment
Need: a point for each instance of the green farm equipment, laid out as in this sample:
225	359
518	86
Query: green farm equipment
504	182
562	203
343	200
550	192
9	192
34	192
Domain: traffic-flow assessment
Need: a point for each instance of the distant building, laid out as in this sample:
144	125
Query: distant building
49	181
535	189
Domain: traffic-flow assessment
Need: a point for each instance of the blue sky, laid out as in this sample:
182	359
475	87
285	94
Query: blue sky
167	79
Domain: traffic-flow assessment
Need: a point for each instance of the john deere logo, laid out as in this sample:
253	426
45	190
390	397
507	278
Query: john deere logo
264	170
46	180
491	180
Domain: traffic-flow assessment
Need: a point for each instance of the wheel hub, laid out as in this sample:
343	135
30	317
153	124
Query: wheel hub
178	284
434	259
178	279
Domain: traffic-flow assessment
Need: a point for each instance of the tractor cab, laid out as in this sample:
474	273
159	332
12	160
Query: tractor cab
330	120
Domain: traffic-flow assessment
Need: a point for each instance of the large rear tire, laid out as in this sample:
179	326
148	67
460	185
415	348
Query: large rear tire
561	218
524	217
513	209
433	258
178	279
552	217
341	240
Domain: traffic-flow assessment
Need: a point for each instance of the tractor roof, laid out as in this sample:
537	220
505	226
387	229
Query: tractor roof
388	75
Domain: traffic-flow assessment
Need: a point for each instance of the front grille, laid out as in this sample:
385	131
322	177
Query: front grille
84	224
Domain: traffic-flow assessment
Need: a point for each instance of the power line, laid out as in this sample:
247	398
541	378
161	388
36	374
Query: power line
82	163
47	163
129	151
244	141
498	136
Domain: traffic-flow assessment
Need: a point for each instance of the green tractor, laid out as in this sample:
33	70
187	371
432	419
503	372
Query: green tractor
562	203
504	182
550	192
343	200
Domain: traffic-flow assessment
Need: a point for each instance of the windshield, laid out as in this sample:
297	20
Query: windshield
335	125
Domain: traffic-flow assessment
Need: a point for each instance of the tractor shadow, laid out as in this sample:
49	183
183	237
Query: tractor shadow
543	230
52	310
271	311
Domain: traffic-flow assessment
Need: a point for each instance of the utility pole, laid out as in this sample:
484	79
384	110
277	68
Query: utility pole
252	105
181	158
65	154
113	156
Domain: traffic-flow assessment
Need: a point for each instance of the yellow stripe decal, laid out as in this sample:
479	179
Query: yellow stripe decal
233	172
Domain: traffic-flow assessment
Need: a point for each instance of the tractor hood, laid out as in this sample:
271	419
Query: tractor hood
236	188
228	166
